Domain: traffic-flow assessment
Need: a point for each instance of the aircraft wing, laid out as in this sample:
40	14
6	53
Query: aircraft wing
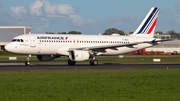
163	40
109	46
154	42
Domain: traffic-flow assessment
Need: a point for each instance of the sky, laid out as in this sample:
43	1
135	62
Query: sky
87	16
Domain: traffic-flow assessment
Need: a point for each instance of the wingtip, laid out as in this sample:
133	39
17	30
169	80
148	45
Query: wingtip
153	41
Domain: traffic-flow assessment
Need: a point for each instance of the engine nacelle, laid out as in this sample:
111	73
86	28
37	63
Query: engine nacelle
46	57
79	55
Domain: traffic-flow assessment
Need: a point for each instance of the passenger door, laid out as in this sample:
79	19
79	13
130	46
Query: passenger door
32	41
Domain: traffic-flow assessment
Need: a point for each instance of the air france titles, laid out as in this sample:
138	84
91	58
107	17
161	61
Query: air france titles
49	37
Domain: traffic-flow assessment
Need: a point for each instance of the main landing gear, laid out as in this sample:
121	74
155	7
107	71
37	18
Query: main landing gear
27	63
92	62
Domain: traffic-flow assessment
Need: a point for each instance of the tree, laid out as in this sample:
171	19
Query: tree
79	33
74	32
46	32
49	33
131	32
112	31
63	33
159	32
173	34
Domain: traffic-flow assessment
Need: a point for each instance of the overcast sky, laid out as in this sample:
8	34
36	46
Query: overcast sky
87	16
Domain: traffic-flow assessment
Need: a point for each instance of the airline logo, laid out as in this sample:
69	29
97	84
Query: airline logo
150	23
50	37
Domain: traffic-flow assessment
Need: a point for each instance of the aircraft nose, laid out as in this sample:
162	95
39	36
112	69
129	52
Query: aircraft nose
8	47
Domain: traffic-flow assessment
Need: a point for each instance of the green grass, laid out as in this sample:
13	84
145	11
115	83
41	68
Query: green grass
91	85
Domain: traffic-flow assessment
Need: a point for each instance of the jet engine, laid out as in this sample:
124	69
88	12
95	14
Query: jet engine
79	55
46	57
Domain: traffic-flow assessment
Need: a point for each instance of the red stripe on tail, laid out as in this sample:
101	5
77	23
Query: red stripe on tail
152	27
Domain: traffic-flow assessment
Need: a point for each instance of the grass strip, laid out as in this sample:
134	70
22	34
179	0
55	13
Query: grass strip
91	85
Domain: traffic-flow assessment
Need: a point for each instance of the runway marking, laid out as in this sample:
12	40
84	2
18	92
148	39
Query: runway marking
12	64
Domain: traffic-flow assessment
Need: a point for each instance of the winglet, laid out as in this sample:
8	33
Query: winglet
153	42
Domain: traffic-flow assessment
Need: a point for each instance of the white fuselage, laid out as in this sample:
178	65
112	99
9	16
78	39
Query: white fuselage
59	44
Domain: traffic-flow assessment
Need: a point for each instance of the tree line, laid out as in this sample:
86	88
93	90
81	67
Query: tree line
70	32
174	35
107	32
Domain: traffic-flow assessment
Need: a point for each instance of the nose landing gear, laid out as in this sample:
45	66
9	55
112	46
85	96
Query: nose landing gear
27	63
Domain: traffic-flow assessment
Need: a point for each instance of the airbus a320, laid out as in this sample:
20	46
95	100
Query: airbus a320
47	47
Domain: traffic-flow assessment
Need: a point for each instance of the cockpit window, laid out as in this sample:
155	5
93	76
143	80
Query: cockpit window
13	40
17	40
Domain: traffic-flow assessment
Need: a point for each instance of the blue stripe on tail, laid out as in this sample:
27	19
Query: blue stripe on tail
151	22
149	18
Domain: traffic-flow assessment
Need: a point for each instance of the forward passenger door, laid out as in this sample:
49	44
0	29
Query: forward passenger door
32	41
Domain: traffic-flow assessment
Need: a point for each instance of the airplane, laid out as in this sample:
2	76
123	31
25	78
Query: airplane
47	47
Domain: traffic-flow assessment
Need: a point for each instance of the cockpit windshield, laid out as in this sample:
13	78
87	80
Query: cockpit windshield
17	40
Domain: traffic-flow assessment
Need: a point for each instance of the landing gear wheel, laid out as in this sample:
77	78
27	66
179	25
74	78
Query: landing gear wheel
27	63
71	62
94	62
91	62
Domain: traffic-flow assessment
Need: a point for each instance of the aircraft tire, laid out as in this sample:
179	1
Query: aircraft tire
91	62
94	62
27	63
71	62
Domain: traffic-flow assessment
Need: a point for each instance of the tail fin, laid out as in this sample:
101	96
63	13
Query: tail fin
147	26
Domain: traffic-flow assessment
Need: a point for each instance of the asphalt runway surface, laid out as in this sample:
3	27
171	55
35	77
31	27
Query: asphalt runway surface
22	67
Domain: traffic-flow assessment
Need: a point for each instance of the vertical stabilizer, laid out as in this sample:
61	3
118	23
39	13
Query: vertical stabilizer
147	26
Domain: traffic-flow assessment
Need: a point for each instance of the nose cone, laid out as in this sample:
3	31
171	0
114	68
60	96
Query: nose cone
13	48
8	47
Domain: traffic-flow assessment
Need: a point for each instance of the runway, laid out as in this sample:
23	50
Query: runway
22	67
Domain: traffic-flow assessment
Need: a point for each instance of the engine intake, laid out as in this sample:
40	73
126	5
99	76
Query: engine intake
79	55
